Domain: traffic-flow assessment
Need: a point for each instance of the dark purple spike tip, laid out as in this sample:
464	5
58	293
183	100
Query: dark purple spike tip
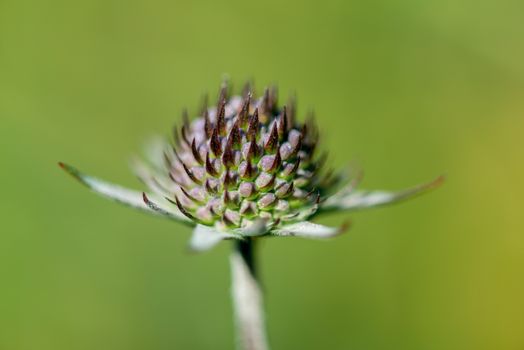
282	124
247	88
182	209
153	206
267	184
210	189
221	118
195	152
210	169
228	157
228	181
297	146
272	141
208	127
252	130
247	171
229	200
243	116
223	93
290	190
215	143
227	221
277	162
184	135
292	171
191	175
234	138
252	151
189	196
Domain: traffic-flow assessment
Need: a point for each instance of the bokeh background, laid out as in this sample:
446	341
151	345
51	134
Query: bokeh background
409	89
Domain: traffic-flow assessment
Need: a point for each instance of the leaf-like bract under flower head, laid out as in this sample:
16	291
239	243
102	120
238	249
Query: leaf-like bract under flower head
132	198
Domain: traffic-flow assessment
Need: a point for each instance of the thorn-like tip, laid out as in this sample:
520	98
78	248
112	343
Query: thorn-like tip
210	167
437	182
182	209
215	143
195	152
73	172
272	141
346	225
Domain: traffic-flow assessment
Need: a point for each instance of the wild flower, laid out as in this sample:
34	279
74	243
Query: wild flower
242	170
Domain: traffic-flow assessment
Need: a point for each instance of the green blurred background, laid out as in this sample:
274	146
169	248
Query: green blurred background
409	89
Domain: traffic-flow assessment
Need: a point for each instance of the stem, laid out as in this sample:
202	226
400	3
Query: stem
247	298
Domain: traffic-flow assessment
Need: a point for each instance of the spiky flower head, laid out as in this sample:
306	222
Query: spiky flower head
245	167
246	159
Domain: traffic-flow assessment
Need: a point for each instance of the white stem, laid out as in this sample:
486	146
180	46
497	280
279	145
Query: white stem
247	300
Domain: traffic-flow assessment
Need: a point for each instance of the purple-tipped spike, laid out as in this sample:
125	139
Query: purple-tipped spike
208	127
228	180
252	150
189	196
195	152
228	157
272	141
252	131
285	190
234	139
227	221
210	188
221	121
210	169
247	89
183	210
291	169
191	175
282	124
297	145
248	209
277	161
243	116
231	201
265	182
245	156
223	93
215	144
246	170
184	135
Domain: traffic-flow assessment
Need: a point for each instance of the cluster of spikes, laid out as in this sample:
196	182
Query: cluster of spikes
244	159
244	168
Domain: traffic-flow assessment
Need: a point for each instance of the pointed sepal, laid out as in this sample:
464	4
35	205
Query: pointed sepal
349	199
131	198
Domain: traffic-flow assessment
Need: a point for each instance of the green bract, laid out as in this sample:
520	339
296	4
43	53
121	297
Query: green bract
245	168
